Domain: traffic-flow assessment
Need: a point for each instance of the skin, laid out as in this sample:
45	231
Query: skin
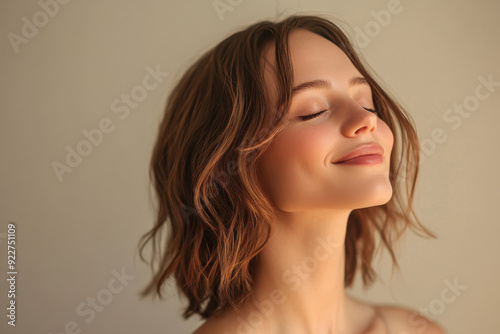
304	259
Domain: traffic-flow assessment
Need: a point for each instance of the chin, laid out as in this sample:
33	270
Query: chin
385	199
381	195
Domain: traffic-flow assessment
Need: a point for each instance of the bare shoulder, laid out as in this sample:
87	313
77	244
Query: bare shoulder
405	320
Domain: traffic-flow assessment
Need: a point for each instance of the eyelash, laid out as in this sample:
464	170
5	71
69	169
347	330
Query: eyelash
308	117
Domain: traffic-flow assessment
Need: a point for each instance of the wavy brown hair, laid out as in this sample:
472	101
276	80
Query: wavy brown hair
216	125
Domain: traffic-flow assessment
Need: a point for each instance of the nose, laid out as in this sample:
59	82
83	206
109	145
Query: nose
359	121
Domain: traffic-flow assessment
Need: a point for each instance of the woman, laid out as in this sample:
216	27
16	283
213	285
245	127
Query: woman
278	160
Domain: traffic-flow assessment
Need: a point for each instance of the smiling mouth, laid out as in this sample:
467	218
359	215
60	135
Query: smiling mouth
368	159
371	153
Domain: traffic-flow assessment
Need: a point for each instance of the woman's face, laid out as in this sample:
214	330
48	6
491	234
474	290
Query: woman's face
297	171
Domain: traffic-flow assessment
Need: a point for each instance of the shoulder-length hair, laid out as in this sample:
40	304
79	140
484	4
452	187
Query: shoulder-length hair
216	125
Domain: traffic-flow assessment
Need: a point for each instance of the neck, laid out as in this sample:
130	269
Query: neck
300	275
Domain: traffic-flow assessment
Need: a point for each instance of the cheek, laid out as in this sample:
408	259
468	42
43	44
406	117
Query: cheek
293	162
299	147
386	135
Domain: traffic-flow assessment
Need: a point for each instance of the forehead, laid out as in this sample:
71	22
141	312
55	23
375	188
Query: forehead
313	57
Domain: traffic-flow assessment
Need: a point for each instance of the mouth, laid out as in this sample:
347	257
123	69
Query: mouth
369	159
365	154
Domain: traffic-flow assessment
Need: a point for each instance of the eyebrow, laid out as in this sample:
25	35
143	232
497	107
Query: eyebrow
321	83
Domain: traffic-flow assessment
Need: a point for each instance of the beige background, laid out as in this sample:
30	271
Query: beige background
74	235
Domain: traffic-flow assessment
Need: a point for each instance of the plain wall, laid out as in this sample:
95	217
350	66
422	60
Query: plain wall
76	233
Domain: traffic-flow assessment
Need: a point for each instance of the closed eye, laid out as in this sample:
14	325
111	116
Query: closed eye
308	117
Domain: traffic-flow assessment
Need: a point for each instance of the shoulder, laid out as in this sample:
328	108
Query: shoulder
405	320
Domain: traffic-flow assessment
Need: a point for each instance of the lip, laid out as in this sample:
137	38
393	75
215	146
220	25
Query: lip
366	153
